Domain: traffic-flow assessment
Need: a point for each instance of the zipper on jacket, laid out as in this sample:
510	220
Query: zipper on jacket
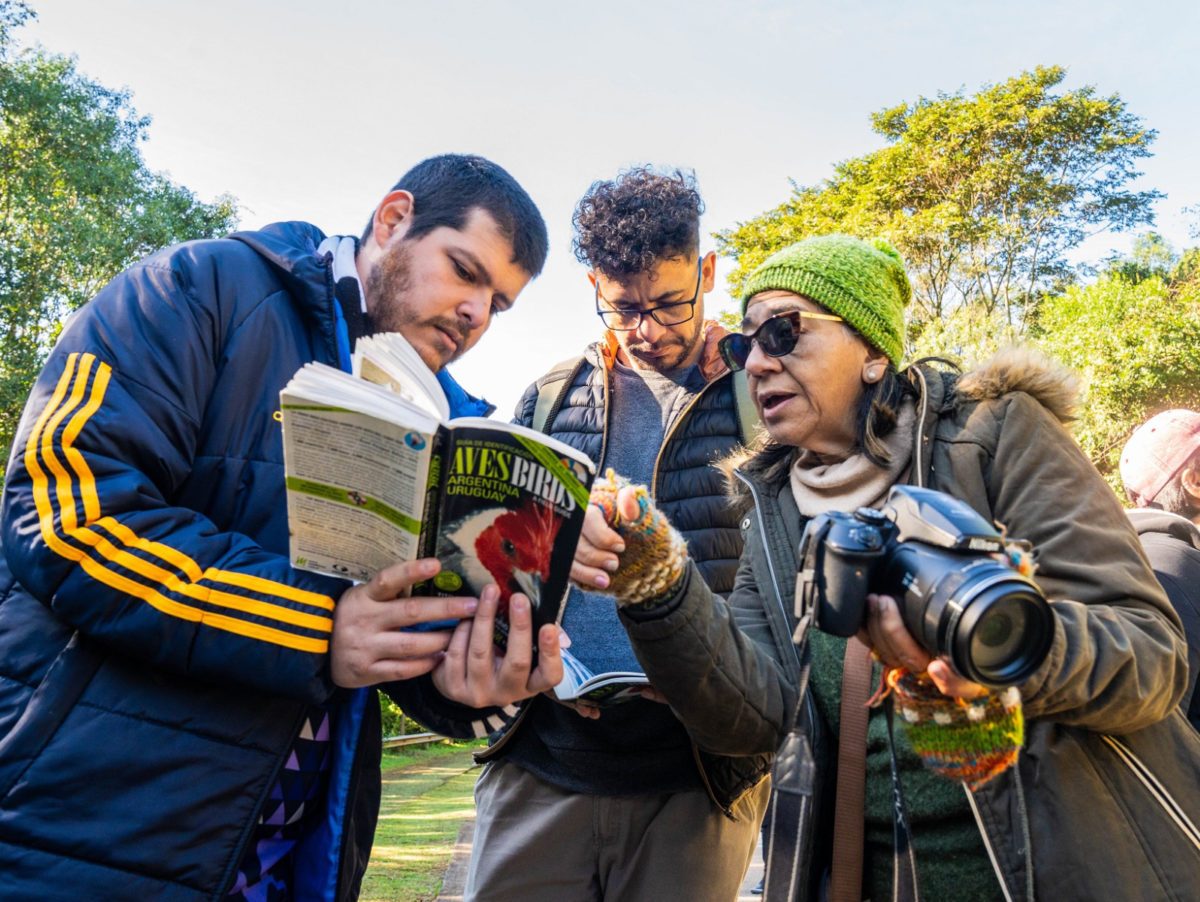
919	467
607	408
991	851
683	414
762	531
1158	792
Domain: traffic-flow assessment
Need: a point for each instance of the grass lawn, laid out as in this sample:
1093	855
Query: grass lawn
427	792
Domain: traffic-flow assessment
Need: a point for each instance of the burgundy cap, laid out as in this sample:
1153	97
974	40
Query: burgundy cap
1156	451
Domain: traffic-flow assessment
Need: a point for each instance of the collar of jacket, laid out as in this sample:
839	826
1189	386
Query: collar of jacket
290	249
711	364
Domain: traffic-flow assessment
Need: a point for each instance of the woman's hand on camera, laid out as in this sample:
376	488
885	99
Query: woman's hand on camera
886	633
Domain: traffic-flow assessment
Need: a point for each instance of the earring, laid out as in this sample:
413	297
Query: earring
874	374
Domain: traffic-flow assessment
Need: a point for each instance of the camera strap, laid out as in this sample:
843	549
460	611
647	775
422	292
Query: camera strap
788	853
845	880
809	558
904	862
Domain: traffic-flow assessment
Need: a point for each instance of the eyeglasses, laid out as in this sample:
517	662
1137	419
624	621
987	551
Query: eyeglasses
777	336
671	314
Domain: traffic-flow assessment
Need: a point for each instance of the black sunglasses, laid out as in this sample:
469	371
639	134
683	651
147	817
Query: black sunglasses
777	336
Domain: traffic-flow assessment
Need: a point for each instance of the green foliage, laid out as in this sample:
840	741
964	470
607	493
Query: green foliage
967	334
77	203
395	722
1152	257
1187	268
13	14
984	196
1136	348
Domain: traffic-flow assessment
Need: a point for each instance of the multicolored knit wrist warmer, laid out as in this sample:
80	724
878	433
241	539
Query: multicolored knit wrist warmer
655	554
969	741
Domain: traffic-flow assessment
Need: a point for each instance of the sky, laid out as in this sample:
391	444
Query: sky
311	110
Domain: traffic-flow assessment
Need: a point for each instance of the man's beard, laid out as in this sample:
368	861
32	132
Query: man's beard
678	351
388	289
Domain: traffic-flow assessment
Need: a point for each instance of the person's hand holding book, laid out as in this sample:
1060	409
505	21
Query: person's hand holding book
475	672
370	643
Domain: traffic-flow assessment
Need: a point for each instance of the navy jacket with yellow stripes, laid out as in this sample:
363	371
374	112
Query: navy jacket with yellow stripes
157	651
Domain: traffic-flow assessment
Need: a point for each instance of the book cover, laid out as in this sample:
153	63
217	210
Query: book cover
509	509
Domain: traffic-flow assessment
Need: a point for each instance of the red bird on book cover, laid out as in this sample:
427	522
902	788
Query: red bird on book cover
509	547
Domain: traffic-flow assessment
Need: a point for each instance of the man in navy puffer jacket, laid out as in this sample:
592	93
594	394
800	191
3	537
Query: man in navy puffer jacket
183	716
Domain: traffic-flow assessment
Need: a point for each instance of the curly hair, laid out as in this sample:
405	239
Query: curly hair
623	227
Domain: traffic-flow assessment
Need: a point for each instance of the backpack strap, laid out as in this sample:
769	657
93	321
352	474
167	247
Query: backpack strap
748	421
553	391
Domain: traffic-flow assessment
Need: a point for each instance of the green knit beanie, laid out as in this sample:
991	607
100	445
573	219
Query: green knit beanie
862	282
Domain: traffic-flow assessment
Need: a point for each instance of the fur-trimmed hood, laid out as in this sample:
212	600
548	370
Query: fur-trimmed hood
1026	369
1019	368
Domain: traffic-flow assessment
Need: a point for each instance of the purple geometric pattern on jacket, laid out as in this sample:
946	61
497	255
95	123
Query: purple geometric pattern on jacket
265	873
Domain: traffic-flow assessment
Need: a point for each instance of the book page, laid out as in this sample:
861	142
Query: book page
386	358
579	683
355	488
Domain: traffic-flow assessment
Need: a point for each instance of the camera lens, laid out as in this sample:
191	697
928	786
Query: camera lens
1003	632
992	623
997	633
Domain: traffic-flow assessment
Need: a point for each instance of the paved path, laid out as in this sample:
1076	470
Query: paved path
456	873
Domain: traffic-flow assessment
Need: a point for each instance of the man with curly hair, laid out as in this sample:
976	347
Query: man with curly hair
620	803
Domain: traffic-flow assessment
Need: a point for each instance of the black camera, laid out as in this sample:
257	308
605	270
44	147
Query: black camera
937	557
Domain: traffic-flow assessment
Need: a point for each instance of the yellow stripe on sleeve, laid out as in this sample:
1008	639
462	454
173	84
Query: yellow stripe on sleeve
91	502
62	481
257	584
40	486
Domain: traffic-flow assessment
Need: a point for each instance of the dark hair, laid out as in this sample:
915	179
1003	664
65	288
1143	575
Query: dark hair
625	226
447	188
1174	498
878	411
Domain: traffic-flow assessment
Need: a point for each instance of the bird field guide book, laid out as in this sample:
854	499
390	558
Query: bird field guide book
377	473
602	689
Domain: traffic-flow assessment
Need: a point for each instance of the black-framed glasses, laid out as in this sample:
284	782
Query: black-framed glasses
777	336
671	314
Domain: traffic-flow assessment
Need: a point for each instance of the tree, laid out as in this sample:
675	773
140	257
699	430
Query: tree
77	203
983	195
1152	257
1136	348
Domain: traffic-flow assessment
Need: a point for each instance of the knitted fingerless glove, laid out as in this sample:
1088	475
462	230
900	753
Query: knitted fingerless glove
968	741
655	554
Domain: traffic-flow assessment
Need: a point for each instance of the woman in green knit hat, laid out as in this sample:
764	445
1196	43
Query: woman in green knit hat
822	344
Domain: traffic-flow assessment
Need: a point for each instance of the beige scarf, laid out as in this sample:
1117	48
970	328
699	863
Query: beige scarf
820	484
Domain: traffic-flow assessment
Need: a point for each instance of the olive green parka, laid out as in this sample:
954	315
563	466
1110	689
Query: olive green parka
1106	796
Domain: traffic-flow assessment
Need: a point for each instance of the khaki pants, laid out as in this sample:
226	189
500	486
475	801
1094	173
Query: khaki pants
535	842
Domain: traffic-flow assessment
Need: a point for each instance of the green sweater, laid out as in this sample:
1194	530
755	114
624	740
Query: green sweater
952	862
